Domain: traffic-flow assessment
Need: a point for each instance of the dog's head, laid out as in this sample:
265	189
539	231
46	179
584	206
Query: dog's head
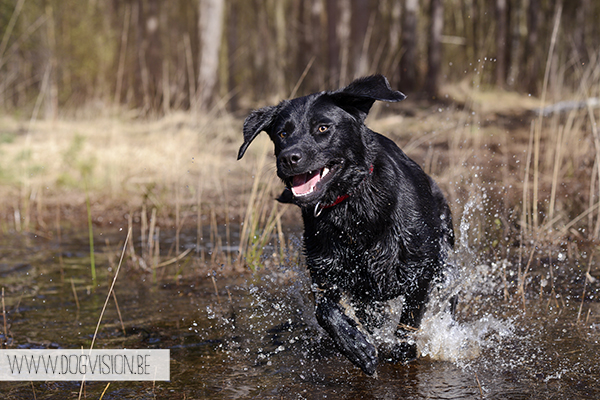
321	142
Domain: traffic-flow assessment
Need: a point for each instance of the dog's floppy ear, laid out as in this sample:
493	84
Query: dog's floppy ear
363	92
256	122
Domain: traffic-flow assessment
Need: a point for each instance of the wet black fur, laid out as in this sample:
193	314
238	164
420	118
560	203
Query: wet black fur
389	239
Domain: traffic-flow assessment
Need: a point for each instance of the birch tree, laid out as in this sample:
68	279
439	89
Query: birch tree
210	31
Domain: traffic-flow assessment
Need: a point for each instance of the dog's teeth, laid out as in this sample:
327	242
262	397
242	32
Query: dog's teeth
325	172
312	189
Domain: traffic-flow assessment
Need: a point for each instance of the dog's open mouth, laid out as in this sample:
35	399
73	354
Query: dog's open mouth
311	181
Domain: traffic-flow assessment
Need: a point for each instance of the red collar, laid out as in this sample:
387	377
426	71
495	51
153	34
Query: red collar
337	201
320	207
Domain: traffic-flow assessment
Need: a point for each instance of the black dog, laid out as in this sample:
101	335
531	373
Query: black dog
377	229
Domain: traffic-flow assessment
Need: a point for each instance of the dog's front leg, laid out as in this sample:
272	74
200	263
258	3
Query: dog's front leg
337	318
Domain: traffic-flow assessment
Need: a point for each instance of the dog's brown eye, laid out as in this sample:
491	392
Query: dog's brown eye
323	128
282	134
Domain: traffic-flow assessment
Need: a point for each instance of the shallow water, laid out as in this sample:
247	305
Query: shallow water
256	335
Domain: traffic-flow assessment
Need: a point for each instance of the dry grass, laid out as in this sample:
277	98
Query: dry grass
128	163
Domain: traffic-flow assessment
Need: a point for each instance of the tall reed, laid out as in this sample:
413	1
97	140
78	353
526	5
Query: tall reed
262	218
90	234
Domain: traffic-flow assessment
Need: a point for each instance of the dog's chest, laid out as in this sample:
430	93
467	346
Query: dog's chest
356	258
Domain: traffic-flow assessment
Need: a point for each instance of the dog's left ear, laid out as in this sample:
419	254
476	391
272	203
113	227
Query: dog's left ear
363	92
257	121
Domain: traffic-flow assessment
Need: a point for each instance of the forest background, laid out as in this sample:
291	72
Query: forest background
157	56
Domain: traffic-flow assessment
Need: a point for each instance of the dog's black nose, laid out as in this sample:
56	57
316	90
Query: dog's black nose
291	158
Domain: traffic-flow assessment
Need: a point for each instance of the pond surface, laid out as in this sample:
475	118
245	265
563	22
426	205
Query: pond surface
255	336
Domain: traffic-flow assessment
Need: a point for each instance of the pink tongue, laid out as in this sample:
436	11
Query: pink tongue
304	183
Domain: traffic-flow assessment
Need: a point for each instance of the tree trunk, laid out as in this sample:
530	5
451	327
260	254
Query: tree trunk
434	59
394	34
532	60
51	89
149	78
343	33
281	39
154	55
333	44
518	24
408	66
579	32
232	48
501	29
360	24
310	48
210	30
149	54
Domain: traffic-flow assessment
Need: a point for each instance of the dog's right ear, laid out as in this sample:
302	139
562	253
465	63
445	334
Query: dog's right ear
257	121
359	96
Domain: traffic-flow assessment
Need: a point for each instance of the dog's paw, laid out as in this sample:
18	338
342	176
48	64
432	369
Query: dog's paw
348	336
366	357
356	347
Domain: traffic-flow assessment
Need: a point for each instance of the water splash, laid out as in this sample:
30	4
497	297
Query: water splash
441	336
